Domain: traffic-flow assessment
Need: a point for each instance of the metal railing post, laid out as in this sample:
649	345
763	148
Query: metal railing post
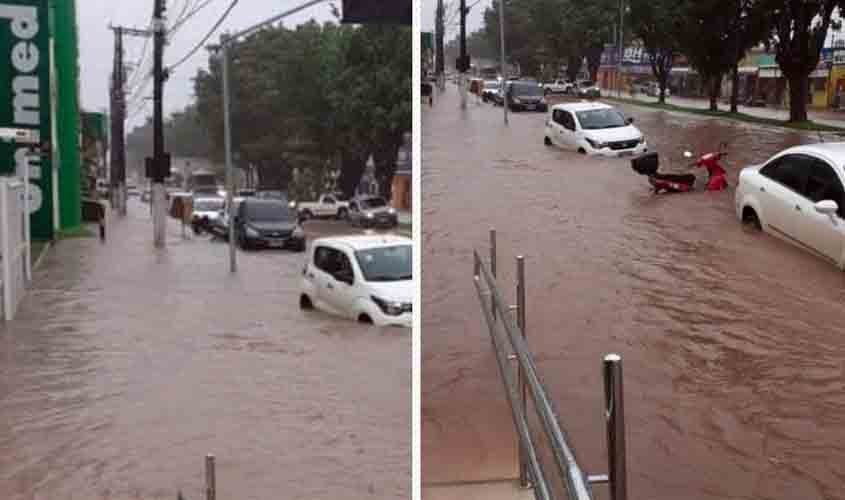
520	377
493	260
615	415
210	479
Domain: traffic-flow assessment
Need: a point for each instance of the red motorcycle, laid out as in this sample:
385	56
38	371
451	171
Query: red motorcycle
649	163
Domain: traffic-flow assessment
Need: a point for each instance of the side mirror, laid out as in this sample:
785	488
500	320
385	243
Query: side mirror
826	207
629	120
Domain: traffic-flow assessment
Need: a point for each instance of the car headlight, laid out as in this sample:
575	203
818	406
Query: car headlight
369	215
389	307
298	232
516	100
252	233
392	211
642	139
595	144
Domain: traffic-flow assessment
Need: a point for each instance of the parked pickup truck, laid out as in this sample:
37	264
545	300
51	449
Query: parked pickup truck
328	205
558	87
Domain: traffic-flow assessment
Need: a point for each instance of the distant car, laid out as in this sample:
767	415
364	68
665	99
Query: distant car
365	278
525	96
271	194
327	205
372	211
588	88
593	128
558	86
204	212
798	196
268	223
491	87
220	225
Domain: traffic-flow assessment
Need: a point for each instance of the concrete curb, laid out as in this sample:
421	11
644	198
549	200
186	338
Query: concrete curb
43	254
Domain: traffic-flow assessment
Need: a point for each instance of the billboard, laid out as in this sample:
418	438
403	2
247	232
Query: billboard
25	102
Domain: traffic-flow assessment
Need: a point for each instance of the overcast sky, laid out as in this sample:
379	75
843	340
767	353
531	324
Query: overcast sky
475	19
97	43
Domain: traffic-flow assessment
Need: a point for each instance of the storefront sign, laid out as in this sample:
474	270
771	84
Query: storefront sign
25	101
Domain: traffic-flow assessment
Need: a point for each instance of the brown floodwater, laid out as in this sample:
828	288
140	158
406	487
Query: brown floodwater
126	366
732	345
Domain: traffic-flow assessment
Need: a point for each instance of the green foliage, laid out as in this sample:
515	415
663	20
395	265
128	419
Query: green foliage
313	99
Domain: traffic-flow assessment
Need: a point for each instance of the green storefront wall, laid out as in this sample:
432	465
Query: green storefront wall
67	113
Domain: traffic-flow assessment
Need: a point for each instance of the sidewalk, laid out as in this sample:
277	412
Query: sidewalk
823	117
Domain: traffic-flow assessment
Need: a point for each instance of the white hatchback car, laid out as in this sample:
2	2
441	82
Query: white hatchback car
367	278
798	196
593	128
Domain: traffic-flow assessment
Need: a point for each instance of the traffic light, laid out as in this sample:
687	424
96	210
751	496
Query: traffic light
377	11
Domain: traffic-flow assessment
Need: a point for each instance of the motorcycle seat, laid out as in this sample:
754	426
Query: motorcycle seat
680	178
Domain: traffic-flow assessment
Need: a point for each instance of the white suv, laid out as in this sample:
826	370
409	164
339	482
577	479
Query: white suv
367	278
593	128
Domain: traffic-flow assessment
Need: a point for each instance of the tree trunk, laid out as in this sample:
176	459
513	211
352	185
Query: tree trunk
715	88
798	90
735	90
273	176
573	67
353	164
385	161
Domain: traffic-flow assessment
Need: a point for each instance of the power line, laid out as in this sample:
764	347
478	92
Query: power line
196	9
208	35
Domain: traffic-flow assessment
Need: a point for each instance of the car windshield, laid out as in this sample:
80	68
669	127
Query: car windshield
527	89
386	263
587	84
600	118
491	85
208	205
372	202
268	211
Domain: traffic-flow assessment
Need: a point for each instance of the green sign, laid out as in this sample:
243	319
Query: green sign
25	101
427	40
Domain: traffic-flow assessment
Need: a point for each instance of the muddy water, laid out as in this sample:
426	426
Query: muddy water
731	340
125	367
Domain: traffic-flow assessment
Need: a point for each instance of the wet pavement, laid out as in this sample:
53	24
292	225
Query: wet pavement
126	366
731	340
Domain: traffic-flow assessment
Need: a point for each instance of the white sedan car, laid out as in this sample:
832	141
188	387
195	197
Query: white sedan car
593	128
366	278
798	196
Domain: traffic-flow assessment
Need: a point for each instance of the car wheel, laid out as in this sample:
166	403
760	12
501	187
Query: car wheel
342	213
547	141
305	303
306	214
582	151
750	219
547	92
365	318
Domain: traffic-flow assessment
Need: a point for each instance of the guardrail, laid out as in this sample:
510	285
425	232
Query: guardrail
15	245
507	334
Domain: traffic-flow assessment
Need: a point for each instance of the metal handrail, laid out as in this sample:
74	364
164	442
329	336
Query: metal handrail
577	482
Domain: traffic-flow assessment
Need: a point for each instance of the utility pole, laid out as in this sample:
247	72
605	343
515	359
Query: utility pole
118	117
502	55
439	28
463	64
621	42
117	172
160	162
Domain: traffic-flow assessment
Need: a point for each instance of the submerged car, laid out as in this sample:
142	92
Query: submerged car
365	278
205	212
491	88
372	211
588	88
525	96
595	129
798	196
268	223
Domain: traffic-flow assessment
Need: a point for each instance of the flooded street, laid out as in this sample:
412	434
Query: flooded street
125	367
731	340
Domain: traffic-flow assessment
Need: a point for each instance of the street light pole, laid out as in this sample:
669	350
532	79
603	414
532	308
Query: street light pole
227	134
502	55
463	53
158	192
621	44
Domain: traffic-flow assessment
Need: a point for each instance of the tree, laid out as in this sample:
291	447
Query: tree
799	29
655	23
